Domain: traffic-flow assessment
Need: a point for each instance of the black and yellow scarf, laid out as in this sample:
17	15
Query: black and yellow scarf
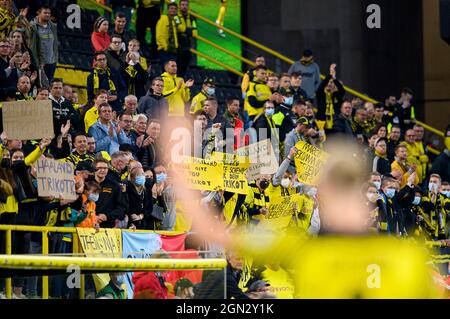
98	71
329	111
131	71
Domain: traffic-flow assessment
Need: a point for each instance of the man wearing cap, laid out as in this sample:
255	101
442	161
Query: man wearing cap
208	90
301	132
310	73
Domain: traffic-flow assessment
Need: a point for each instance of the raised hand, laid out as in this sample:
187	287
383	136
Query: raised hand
65	128
333	70
189	83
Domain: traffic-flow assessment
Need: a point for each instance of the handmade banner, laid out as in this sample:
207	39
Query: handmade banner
261	157
234	169
280	212
308	162
201	174
104	243
28	120
138	245
55	179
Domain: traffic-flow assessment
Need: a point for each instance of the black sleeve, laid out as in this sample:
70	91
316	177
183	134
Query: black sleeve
233	289
253	101
405	196
120	205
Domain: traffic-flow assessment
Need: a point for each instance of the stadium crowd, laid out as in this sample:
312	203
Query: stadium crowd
119	142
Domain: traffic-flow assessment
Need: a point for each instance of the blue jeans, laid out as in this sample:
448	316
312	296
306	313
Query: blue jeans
49	70
32	282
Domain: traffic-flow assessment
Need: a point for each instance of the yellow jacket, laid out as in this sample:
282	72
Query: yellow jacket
262	93
176	98
405	174
162	31
414	156
198	101
90	117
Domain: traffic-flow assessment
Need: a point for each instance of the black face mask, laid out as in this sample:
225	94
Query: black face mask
149	182
18	163
264	184
5	163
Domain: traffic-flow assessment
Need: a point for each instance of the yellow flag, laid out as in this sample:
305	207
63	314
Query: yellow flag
308	162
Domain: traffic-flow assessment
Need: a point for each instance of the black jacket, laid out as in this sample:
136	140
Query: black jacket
139	204
111	202
381	165
154	106
151	155
342	125
63	111
262	122
391	145
212	285
135	78
336	98
441	166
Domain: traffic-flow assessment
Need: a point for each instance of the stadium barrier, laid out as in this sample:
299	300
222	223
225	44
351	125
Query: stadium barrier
101	264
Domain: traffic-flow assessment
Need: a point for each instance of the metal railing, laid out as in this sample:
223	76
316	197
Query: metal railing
271	52
45	230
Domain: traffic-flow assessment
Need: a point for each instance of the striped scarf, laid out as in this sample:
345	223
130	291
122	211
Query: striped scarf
98	71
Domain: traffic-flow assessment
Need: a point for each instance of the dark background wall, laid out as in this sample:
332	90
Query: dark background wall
373	61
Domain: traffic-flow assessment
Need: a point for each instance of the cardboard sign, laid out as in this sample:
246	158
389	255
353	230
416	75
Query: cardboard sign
261	157
28	120
308	162
55	179
201	174
234	169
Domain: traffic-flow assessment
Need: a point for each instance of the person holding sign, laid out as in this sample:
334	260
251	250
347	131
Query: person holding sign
302	132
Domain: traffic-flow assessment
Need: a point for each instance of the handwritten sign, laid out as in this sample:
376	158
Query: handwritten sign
261	157
28	120
308	162
55	179
234	169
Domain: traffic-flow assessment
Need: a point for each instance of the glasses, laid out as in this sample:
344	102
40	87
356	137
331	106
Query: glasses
4	46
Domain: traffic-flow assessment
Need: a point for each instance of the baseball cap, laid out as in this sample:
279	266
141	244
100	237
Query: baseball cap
303	120
307	53
257	285
209	80
85	166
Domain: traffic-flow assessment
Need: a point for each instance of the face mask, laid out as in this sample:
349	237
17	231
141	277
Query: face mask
120	280
149	182
416	200
312	192
285	182
140	180
6	162
432	187
264	184
288	100
161	177
18	163
390	192
446	193
210	91
93	197
297	184
377	184
270	112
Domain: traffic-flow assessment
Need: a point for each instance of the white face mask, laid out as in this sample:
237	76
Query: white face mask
377	184
285	182
312	192
432	187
